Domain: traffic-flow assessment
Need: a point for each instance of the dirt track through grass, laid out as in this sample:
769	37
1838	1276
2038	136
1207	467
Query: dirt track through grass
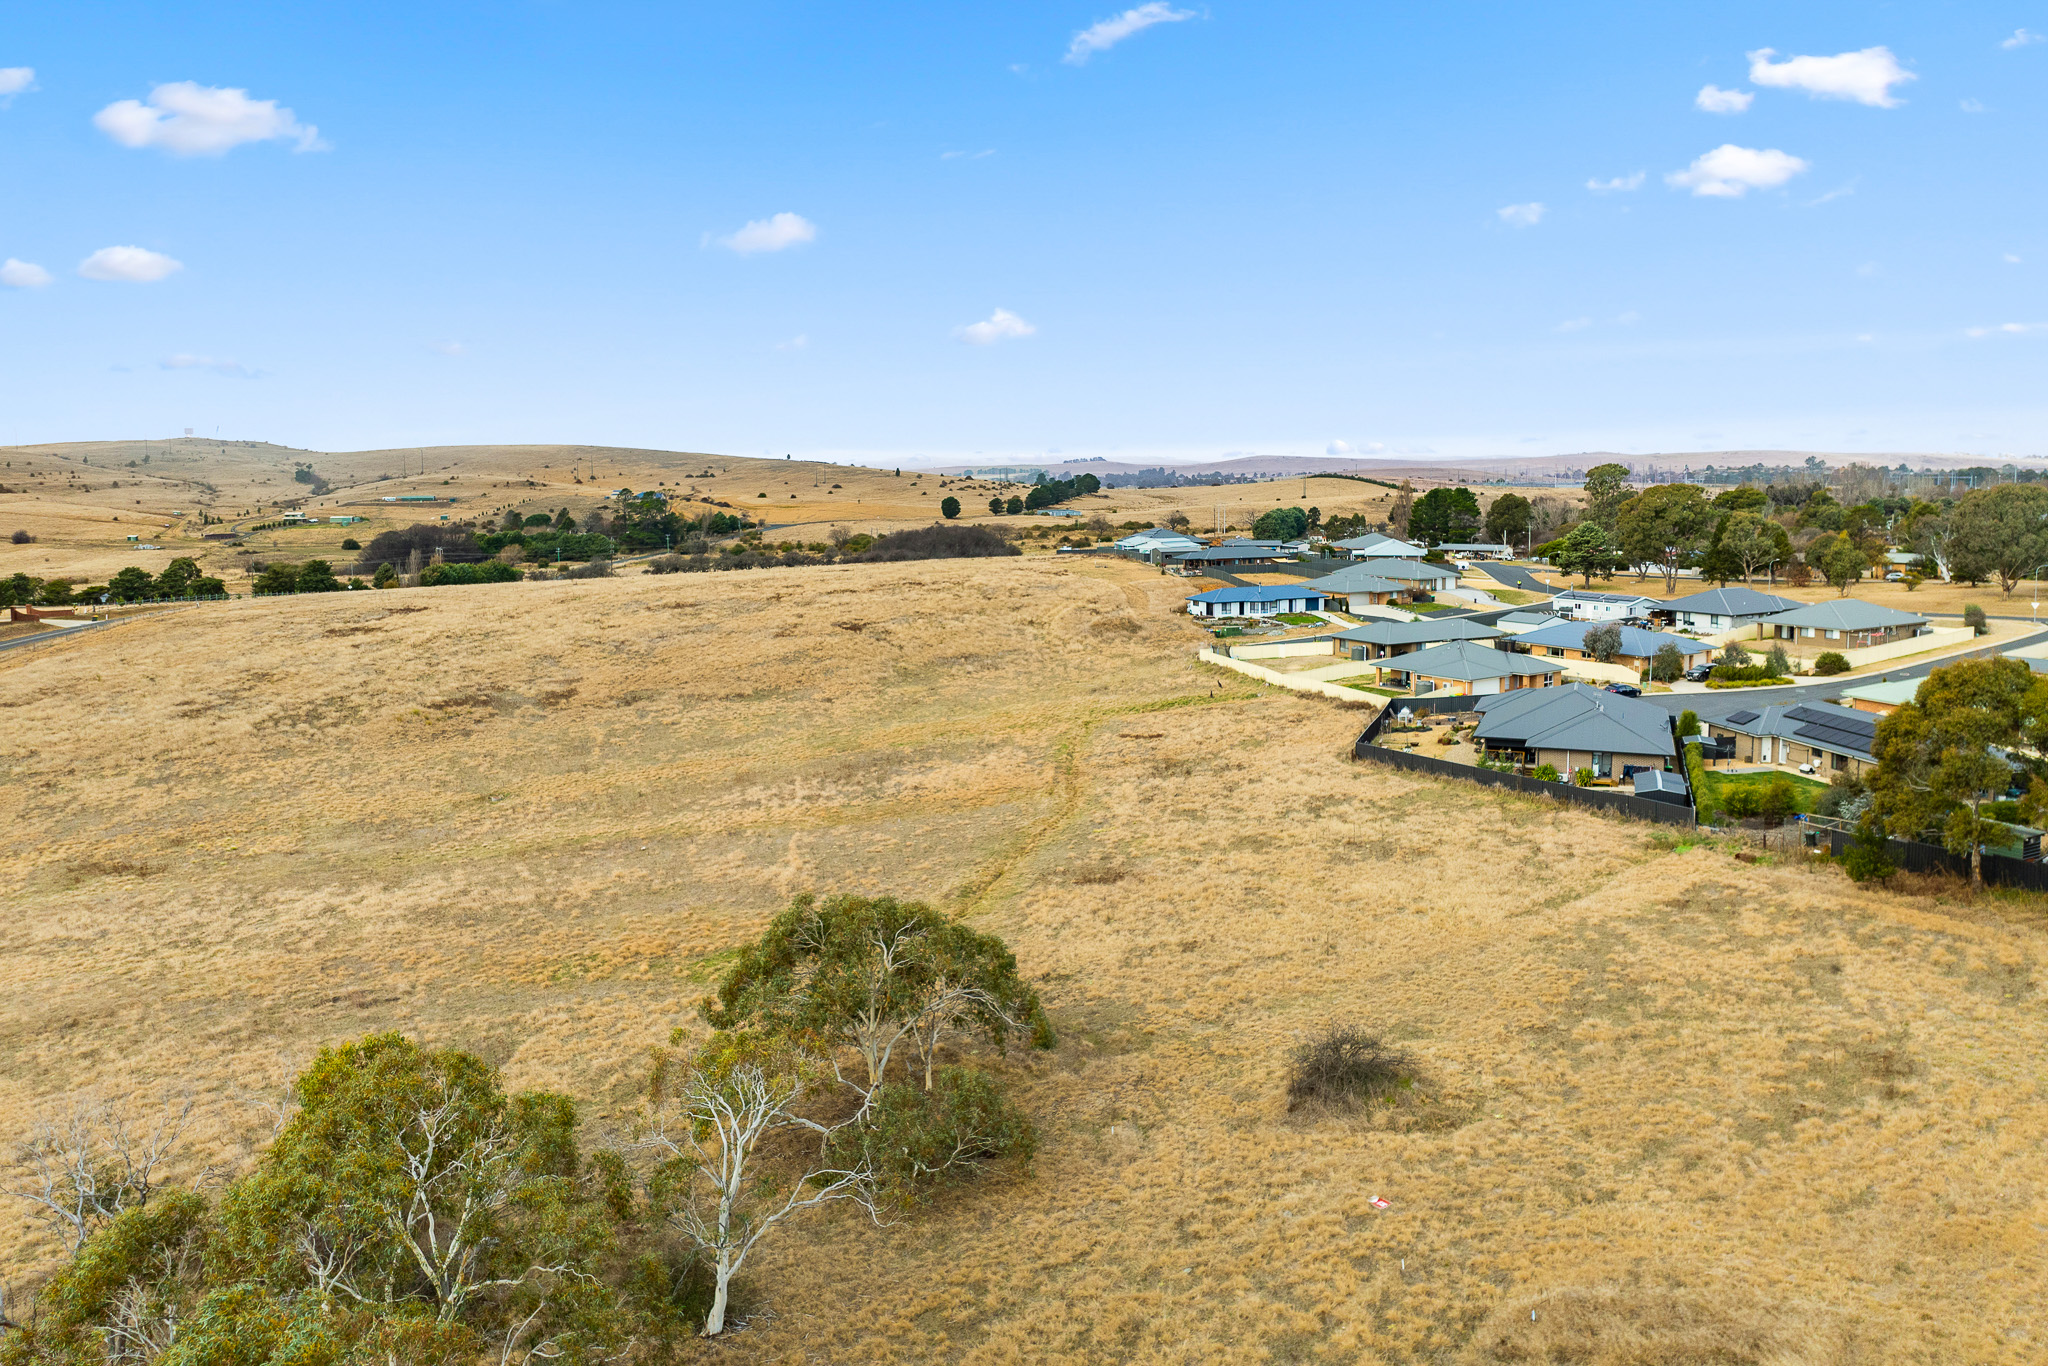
531	820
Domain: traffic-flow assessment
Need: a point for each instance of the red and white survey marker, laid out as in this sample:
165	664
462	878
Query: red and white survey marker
1380	1202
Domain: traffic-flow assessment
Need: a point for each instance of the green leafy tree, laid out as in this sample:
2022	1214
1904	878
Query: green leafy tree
1666	525
1440	515
317	576
132	585
1936	765
178	577
1508	518
410	1187
1587	551
1013	505
950	506
277	578
1839	561
873	974
1281	524
385	577
1667	665
1778	662
1820	511
1747	538
1733	656
1602	642
2003	531
995	506
1741	498
534	519
1688	722
1606	491
711	1119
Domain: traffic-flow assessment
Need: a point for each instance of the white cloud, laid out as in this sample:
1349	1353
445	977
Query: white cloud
188	119
1521	215
2020	38
1575	324
1629	319
23	275
451	348
1715	100
1971	106
997	326
1839	192
229	368
1730	172
2003	329
1101	37
796	343
1346	448
14	80
138	265
772	234
1619	183
2011	259
967	156
1866	77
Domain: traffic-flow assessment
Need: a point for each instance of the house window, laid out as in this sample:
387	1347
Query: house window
1603	765
1834	635
1557	650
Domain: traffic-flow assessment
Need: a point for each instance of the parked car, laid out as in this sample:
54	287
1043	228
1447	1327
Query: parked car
1895	577
1625	689
1699	673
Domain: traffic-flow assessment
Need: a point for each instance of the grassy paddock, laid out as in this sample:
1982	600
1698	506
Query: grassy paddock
1654	1087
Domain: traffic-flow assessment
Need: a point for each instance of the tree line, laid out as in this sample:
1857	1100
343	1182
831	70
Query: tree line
410	1210
180	579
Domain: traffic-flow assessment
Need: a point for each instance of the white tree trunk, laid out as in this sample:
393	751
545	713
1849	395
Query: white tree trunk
714	1322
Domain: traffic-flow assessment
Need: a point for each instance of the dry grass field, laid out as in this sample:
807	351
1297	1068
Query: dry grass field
1686	1109
81	501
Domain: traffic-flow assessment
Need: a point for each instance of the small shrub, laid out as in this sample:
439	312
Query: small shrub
1545	773
1829	664
599	568
1344	1066
1688	722
22	538
351	543
1583	777
1866	859
1777	663
1779	800
1741	803
1973	617
1734	656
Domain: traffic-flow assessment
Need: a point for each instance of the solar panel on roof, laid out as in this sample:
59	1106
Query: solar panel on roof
1742	718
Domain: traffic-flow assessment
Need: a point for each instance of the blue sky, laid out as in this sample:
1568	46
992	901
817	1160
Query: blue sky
903	232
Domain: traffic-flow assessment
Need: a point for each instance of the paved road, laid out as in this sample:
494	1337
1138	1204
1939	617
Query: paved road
1513	576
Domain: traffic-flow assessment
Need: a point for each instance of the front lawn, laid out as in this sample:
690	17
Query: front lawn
1300	619
1805	791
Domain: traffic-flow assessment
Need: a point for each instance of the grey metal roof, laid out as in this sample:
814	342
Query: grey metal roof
1413	571
1358	578
1656	782
1429	632
1845	614
1525	619
1840	730
1730	602
1468	661
1635	641
1375	540
1575	717
1581	595
1273	593
1226	553
1474	545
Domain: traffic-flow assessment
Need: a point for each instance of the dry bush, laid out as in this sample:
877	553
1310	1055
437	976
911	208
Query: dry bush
1343	1067
599	568
1639	1327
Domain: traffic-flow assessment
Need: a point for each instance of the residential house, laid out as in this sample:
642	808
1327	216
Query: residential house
1469	668
1515	623
1582	605
1881	699
1567	640
1384	639
1477	550
1843	623
1232	553
1720	609
1427	577
1812	737
1157	545
1354	584
1576	726
1375	546
1255	602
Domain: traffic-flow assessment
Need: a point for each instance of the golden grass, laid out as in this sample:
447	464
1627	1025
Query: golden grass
1671	1098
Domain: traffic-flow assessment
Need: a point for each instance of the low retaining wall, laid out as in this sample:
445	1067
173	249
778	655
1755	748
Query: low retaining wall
1292	681
1281	649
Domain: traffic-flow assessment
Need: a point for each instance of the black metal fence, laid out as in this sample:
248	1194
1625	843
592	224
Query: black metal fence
1600	799
2000	870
